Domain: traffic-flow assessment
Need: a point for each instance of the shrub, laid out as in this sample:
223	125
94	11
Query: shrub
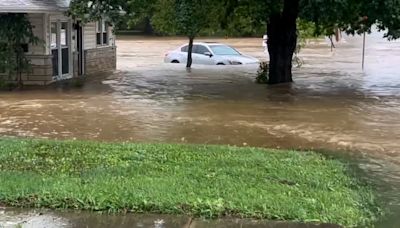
262	73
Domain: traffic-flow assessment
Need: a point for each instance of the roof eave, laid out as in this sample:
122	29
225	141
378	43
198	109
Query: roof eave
58	10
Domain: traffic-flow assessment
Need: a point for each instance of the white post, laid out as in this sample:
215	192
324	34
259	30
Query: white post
59	49
71	49
46	37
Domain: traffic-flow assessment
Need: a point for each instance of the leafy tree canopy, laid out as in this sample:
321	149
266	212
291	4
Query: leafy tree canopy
184	17
90	10
353	16
249	17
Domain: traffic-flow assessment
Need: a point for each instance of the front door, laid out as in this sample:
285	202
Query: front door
60	49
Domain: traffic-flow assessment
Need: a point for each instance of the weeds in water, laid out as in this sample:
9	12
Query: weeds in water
197	180
262	73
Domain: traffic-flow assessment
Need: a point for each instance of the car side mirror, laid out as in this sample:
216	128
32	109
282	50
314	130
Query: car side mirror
208	54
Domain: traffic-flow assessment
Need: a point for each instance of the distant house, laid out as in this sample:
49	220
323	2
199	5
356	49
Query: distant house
70	48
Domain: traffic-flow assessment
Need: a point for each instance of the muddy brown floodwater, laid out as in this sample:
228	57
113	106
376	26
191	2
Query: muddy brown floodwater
51	219
332	106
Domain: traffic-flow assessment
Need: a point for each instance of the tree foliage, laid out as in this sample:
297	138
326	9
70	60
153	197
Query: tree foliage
353	16
324	18
247	17
15	32
91	10
140	10
184	17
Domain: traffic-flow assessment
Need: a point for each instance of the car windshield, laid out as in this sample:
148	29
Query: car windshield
223	50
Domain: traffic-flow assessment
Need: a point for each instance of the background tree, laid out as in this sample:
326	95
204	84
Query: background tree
141	12
282	16
190	17
244	17
91	10
183	17
15	33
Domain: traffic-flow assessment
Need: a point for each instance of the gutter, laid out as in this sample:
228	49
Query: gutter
51	10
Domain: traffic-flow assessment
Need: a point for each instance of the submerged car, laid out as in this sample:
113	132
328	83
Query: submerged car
210	54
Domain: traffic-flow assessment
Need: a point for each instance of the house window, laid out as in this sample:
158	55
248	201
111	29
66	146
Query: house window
102	32
53	30
64	34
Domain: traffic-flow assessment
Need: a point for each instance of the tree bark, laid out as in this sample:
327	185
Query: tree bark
190	50
282	41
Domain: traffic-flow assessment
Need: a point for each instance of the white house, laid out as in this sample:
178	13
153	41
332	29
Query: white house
70	48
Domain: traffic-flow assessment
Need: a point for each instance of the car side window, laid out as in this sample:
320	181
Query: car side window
200	49
185	49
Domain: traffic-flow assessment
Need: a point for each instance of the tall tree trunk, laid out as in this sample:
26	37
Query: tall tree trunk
282	41
190	50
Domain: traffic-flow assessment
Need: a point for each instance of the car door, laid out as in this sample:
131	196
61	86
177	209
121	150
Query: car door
199	56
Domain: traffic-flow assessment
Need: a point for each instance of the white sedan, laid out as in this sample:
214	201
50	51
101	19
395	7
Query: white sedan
210	54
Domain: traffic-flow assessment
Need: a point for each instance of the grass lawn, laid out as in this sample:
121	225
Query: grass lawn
198	180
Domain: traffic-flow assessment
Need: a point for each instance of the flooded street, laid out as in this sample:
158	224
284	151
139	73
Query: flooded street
332	106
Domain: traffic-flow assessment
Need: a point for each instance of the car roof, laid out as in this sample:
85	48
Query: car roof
205	43
209	43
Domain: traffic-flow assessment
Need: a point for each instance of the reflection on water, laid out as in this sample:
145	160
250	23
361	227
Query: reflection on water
333	104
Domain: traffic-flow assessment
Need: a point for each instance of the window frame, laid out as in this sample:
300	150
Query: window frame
102	33
196	47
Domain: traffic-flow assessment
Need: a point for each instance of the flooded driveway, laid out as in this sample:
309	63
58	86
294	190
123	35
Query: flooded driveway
332	106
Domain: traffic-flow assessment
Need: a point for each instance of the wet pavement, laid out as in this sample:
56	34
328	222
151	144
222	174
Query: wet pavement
332	106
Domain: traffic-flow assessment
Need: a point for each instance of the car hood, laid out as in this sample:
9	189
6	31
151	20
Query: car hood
244	59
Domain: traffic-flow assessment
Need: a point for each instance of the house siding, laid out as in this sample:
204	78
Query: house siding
89	34
37	22
41	65
41	73
98	58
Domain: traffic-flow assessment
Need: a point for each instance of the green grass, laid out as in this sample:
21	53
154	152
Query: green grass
209	181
